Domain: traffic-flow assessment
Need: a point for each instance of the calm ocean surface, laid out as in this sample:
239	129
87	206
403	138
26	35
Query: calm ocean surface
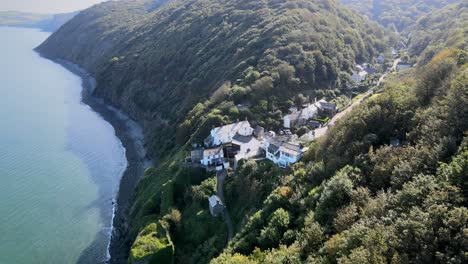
60	162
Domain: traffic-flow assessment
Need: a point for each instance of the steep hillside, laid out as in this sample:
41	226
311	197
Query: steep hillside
180	67
356	198
41	21
149	61
400	13
445	28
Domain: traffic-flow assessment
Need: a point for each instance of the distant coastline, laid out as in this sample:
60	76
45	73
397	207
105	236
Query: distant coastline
131	135
44	22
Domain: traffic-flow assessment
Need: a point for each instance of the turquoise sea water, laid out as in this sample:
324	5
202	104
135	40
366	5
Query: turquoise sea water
60	162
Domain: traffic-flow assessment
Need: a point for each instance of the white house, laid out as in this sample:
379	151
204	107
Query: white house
224	134
247	147
216	206
310	111
299	118
290	120
326	107
359	76
282	153
214	158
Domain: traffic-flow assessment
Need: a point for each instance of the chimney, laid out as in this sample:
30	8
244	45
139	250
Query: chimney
246	119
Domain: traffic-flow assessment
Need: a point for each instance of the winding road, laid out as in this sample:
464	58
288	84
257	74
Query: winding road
322	131
221	176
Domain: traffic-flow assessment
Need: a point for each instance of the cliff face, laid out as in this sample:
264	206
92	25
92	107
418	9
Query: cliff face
157	59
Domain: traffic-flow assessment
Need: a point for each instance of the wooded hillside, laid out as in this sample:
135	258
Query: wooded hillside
444	28
149	61
401	13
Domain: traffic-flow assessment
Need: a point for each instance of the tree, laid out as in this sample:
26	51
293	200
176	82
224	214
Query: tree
336	193
272	233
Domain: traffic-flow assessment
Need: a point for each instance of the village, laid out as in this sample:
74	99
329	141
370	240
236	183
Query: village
226	146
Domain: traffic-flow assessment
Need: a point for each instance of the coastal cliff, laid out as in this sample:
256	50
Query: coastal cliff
163	61
149	59
181	67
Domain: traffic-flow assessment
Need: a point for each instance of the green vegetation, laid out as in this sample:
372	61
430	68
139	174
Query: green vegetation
355	199
204	57
153	245
444	28
181	67
398	13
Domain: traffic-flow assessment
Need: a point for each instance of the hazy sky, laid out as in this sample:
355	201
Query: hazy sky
46	6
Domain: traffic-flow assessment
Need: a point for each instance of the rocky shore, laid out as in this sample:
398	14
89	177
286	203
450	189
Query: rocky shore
131	135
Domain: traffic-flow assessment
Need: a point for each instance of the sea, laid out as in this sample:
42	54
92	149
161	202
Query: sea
60	162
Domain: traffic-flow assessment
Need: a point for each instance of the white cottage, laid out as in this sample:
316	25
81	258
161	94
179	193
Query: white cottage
283	153
213	157
247	147
300	118
225	134
359	76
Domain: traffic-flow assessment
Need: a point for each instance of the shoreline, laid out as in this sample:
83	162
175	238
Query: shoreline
130	133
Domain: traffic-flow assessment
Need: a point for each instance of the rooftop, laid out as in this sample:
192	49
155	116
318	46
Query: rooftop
239	139
278	144
322	104
213	151
231	127
214	200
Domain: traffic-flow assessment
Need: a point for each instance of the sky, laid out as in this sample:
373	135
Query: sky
46	6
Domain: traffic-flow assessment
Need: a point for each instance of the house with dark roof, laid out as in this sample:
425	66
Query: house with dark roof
300	118
283	152
216	206
381	59
325	107
259	132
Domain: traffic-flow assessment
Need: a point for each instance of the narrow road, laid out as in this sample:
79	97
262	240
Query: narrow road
322	131
395	64
221	176
347	110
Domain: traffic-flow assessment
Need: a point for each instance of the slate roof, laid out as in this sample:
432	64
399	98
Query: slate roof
213	151
214	200
277	145
239	139
196	155
322	104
